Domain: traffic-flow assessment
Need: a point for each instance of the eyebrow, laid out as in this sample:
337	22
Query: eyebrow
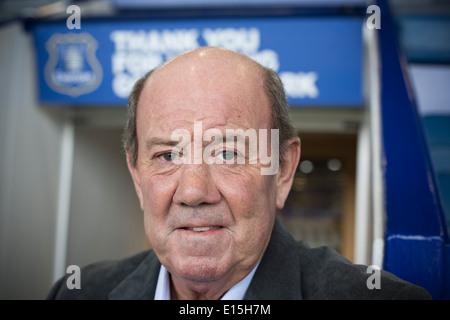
152	142
157	141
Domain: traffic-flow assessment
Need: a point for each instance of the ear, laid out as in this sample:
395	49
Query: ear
136	180
286	174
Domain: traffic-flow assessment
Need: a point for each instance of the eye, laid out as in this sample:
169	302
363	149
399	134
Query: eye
228	155
168	156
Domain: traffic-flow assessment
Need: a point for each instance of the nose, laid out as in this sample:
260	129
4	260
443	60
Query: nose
196	186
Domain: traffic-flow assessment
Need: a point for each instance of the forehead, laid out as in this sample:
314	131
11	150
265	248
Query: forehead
220	90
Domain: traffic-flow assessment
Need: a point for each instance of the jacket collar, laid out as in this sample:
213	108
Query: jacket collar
278	275
141	283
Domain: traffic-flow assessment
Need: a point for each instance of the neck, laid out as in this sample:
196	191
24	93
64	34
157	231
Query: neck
182	289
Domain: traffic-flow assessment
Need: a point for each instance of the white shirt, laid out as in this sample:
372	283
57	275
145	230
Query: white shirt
236	292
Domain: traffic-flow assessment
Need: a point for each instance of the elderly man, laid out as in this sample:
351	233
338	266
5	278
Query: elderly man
210	216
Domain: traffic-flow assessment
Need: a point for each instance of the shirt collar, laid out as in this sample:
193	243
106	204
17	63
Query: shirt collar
236	292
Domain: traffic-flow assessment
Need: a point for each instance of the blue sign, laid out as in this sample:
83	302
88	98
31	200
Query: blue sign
319	59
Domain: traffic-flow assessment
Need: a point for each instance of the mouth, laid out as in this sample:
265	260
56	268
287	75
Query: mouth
202	229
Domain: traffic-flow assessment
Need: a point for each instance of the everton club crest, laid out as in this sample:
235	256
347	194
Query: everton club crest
72	68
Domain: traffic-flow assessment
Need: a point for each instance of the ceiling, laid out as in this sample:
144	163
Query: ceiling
10	9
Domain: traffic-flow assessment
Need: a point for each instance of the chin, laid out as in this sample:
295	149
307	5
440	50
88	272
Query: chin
201	269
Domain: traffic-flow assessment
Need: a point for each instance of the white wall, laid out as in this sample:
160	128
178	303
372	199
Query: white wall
105	218
105	221
29	155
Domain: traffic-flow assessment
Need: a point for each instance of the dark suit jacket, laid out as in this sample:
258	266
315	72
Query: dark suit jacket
288	270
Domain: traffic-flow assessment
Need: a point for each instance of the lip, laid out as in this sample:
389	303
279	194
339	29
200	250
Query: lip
201	229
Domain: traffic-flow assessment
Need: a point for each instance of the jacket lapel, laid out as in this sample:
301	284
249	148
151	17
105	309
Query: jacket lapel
278	274
141	283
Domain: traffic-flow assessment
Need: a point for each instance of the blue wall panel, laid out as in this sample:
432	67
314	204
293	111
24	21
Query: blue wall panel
416	233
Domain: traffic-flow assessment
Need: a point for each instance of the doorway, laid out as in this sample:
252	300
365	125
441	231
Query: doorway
320	208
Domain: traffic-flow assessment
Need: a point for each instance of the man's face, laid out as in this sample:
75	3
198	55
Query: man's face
204	221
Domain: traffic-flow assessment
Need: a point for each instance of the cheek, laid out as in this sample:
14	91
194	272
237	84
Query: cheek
157	193
250	197
252	201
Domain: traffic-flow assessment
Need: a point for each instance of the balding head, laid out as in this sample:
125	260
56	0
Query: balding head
210	60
